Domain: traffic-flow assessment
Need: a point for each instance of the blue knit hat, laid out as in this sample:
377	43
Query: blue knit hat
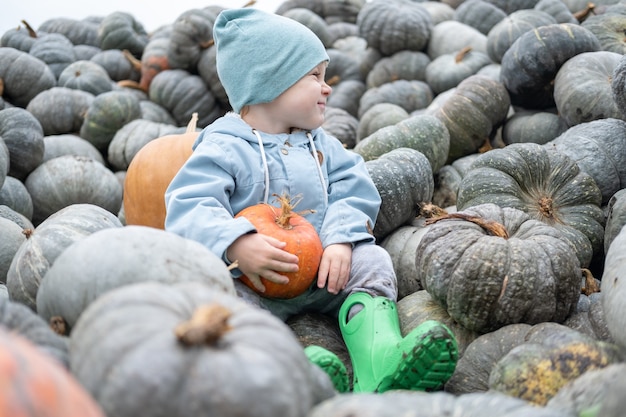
260	54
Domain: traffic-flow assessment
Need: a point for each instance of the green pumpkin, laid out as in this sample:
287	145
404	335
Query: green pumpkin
546	184
379	116
331	10
45	244
86	76
23	76
211	351
597	148
479	14
393	27
534	126
182	94
609	29
612	288
115	257
472	113
191	33
586	75
78	31
55	50
404	180
403	65
120	30
410	95
119	64
448	70
107	113
615	217
60	110
533	60
422	132
551	356
23	136
557	9
13	193
508	30
69	144
450	36
342	125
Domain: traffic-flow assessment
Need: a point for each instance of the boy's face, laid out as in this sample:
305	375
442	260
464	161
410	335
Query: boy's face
303	104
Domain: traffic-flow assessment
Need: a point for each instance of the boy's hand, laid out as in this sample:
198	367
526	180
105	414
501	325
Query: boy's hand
334	270
260	255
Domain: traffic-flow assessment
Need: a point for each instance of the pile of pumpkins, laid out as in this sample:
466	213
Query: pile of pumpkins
494	130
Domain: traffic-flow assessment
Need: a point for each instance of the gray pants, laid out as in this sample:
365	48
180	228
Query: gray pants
372	272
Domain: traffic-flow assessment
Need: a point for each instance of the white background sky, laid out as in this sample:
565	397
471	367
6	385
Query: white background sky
150	13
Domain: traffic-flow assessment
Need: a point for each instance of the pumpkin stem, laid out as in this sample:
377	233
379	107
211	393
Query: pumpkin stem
31	32
486	146
583	14
591	285
490	226
250	3
546	208
59	325
287	204
206	325
430	210
193	123
130	84
28	232
1	87
136	63
462	53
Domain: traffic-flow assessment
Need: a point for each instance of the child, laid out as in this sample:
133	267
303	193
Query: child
273	69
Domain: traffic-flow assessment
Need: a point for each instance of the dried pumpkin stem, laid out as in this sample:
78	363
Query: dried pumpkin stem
59	325
591	285
430	210
1	87
492	227
31	32
462	53
287	204
206	326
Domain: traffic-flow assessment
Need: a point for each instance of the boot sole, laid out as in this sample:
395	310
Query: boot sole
428	363
331	365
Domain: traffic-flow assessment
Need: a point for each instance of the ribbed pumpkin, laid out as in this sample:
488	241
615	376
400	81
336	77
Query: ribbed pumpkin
55	50
86	76
23	136
23	76
147	176
615	217
60	110
120	30
530	64
300	237
115	257
490	266
404	179
613	288
35	384
49	239
546	184
582	87
188	350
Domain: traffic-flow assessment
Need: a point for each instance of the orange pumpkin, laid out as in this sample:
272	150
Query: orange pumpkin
150	172
35	384
301	239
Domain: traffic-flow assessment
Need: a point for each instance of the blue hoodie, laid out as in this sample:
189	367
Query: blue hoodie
229	169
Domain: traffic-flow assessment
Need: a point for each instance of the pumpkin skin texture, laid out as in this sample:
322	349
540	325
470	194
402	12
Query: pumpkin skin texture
410	95
490	266
23	136
448	70
404	180
450	36
609	29
23	75
20	319
615	217
233	374
148	176
430	404
421	132
120	30
618	85
533	60
472	113
396	26
403	65
115	257
612	288
551	356
597	148
582	87
45	244
534	126
60	110
300	237
76	180
86	76
546	184
35	384
69	144
12	238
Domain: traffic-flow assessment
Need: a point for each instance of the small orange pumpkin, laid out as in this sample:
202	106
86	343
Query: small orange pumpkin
300	237
150	172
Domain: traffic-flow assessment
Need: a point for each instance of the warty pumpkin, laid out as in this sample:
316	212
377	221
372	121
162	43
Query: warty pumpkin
490	266
301	239
150	172
186	349
546	184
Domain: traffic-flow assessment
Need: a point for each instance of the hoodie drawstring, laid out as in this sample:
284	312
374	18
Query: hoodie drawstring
266	171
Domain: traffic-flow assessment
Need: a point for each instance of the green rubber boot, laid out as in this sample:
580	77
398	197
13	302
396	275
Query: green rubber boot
331	364
383	360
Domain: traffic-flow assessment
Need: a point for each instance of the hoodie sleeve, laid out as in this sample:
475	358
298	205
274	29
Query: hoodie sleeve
353	200
197	200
